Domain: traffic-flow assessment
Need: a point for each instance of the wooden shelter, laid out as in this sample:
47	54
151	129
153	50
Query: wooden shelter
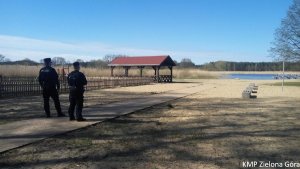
156	62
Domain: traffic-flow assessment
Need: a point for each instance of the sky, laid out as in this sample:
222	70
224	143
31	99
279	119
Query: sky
202	30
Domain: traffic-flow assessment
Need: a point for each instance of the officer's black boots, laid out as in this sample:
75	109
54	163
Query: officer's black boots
81	119
61	115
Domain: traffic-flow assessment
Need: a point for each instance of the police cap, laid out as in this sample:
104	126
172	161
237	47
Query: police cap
76	64
47	60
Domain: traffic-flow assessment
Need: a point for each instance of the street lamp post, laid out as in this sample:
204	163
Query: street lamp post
282	76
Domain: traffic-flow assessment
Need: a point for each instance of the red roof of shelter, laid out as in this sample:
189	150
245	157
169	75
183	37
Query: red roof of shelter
164	60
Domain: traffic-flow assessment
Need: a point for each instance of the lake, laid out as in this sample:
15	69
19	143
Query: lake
250	76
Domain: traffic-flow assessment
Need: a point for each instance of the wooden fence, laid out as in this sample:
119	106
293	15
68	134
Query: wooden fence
13	87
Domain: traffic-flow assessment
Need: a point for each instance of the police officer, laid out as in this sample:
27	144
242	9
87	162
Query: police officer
76	81
49	82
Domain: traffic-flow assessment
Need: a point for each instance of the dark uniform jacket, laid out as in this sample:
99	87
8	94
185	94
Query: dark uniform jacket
76	81
48	78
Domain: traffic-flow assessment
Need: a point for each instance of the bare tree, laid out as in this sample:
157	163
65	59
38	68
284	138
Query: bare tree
286	45
109	58
186	62
58	61
79	60
2	58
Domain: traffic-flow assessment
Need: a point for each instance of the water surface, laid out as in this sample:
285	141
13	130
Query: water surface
250	76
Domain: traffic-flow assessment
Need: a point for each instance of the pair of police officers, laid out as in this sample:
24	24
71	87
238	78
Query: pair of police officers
48	79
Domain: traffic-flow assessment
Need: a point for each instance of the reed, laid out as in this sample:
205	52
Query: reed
19	70
179	73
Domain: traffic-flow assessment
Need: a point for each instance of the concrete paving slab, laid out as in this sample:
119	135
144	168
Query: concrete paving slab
24	132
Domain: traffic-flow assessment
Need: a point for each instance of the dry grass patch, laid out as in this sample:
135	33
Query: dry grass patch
179	73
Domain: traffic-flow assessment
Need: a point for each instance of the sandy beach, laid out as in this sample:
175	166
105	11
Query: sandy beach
214	128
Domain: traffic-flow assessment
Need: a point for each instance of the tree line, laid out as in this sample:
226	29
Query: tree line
96	63
184	63
249	66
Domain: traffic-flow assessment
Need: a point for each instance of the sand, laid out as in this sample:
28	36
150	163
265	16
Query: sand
214	128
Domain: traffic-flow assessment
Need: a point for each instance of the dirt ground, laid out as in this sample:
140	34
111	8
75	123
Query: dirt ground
214	128
22	108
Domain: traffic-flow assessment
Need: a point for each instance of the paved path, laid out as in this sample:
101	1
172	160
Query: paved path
23	132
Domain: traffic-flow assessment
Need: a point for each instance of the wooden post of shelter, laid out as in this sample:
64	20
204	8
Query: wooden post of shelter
126	70
154	68
171	71
141	70
112	71
157	74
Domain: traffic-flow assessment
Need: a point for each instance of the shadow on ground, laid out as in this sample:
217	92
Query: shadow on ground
22	108
191	132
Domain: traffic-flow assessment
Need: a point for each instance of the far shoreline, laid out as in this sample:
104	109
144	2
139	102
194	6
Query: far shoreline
254	72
